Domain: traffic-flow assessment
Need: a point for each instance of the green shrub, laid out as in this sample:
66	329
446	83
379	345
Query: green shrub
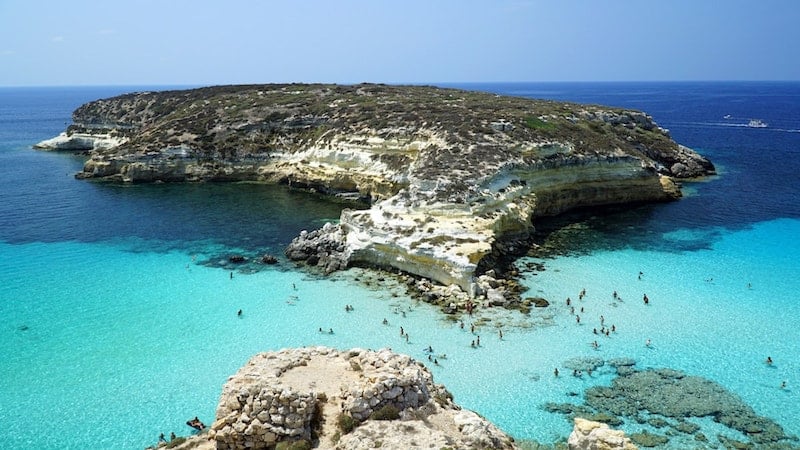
536	123
346	423
302	444
387	412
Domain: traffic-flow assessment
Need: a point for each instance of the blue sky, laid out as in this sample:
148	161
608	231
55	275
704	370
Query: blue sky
182	42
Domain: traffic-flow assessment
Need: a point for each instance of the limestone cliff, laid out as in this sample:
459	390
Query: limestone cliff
452	175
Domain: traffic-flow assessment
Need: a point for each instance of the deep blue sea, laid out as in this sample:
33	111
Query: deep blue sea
119	310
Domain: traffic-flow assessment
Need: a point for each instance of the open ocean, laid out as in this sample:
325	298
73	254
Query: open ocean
118	313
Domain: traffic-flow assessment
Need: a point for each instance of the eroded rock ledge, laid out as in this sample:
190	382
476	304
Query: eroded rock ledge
452	175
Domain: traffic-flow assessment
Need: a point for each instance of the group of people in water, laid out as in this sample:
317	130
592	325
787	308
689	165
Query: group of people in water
603	330
769	362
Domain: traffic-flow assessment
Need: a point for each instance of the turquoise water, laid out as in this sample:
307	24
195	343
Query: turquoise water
138	342
119	311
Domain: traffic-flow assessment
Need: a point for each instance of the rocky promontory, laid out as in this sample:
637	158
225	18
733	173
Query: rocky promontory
454	178
329	399
319	397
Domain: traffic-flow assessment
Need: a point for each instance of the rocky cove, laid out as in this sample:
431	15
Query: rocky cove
454	179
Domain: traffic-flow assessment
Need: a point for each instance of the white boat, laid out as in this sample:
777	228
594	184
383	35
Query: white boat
726	116
756	123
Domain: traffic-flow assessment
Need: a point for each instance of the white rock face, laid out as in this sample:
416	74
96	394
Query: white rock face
588	435
81	141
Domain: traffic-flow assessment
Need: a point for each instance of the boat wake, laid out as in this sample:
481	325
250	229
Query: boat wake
735	125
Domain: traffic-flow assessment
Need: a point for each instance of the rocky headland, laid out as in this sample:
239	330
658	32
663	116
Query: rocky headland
454	178
319	397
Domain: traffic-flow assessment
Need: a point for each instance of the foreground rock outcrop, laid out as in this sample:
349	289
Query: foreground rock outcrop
589	435
453	176
353	399
319	397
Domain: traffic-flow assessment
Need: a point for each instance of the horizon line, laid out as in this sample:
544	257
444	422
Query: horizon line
392	83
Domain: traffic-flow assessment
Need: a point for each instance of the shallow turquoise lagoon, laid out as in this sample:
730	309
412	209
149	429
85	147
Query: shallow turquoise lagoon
105	345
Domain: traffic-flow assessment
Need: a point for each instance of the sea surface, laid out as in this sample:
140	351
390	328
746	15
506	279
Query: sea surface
118	308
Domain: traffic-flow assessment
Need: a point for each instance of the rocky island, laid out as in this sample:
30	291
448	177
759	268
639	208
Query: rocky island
453	178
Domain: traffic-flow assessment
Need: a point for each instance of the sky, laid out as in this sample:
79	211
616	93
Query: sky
198	42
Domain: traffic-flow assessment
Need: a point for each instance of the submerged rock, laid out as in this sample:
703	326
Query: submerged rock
669	398
584	363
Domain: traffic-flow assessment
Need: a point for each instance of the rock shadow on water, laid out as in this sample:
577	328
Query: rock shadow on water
586	231
667	401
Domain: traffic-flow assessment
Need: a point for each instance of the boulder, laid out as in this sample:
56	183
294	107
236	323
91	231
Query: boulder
588	435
